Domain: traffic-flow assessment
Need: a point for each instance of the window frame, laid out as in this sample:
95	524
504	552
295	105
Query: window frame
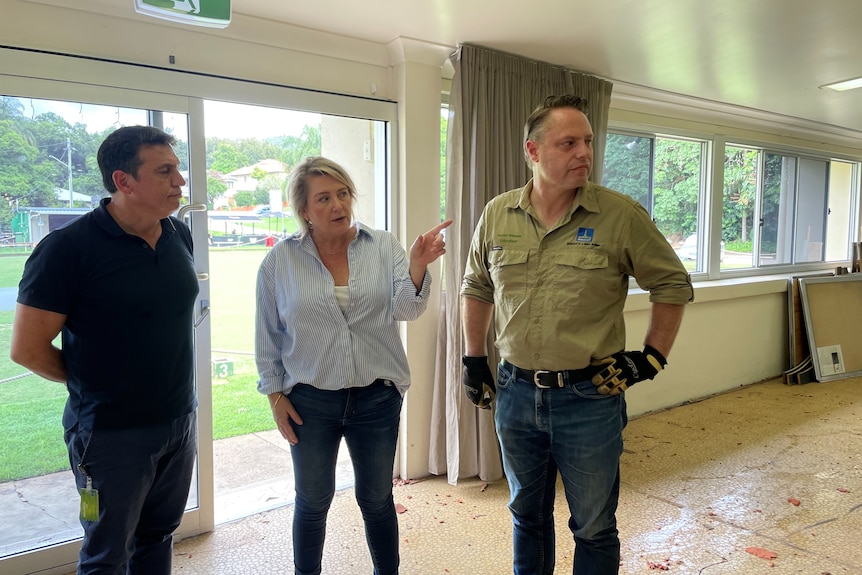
710	202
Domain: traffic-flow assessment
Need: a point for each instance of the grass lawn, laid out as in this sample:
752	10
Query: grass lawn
31	433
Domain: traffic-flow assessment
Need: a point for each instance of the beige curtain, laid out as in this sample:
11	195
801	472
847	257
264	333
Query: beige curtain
492	95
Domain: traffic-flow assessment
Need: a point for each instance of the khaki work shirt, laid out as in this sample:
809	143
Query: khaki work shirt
559	294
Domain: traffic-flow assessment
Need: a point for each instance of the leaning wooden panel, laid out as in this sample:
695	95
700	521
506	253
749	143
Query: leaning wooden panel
833	320
799	350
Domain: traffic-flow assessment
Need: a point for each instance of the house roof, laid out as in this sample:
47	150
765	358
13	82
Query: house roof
268	166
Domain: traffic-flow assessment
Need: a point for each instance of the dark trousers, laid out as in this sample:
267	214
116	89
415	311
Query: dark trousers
142	475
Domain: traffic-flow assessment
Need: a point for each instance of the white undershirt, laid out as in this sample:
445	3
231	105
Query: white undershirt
342	296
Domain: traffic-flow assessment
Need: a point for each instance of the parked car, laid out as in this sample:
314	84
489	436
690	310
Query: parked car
688	249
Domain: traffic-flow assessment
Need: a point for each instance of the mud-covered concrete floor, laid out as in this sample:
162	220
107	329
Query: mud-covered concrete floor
705	485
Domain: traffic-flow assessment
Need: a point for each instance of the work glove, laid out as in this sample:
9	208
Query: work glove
478	381
622	370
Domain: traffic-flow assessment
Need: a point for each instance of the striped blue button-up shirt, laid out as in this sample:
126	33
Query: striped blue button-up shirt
302	335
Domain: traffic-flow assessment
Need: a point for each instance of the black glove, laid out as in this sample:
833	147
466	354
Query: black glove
624	369
478	381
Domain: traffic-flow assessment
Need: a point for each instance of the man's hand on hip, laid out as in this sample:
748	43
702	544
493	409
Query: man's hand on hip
622	370
478	381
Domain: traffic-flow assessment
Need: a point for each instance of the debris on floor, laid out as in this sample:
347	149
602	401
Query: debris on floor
761	552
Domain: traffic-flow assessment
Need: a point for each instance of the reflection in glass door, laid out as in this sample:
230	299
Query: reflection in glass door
48	177
250	152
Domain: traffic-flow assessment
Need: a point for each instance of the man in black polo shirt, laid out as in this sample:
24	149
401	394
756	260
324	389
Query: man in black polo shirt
119	284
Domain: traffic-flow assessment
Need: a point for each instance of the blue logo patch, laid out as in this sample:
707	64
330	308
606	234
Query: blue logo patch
585	235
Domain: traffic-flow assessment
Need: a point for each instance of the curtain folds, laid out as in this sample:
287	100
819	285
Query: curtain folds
492	95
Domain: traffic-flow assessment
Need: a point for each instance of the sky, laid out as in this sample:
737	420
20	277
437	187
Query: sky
223	119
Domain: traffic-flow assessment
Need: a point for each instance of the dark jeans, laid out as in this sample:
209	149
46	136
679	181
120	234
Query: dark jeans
578	432
368	419
142	475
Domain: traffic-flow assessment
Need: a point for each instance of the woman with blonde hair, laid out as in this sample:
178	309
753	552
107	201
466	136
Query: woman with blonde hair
329	355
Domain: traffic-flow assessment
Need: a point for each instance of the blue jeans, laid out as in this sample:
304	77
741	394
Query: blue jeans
578	432
368	419
143	476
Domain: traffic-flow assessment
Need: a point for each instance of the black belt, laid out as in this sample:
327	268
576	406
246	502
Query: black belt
545	379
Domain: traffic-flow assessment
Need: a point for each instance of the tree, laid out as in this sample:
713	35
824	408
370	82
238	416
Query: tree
24	181
215	187
295	149
627	167
226	158
676	186
740	191
244	198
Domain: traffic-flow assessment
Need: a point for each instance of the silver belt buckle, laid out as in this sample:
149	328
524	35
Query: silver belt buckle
540	385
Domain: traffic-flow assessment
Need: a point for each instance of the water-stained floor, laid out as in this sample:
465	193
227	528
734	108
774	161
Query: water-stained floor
763	479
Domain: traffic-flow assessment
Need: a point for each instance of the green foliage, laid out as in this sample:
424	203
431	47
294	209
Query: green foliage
295	149
244	198
677	186
672	198
215	188
740	191
739	246
627	167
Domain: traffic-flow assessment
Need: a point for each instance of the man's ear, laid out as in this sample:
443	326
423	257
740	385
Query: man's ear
532	148
122	181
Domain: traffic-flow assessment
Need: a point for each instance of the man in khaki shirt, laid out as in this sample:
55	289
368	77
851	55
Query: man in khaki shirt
550	263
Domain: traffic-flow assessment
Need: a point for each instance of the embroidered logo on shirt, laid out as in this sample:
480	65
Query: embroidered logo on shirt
585	235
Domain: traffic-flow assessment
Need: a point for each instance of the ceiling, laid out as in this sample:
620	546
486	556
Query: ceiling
769	55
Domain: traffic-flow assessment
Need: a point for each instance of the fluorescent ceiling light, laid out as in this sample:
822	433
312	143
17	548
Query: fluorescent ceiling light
845	85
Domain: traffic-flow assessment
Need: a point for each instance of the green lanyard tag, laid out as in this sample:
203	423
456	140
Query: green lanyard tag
89	502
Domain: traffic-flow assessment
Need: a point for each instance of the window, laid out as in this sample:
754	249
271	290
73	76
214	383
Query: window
779	211
782	209
667	176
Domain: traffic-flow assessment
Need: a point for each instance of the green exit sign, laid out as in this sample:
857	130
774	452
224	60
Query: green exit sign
210	13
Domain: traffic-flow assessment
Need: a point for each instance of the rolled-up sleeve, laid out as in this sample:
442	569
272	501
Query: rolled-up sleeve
477	282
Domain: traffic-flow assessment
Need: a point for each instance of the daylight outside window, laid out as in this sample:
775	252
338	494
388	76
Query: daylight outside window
666	175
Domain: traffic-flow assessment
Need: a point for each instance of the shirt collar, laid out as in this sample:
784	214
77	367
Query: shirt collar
587	198
109	224
304	240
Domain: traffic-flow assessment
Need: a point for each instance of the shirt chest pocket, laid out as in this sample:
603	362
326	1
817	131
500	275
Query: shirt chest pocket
509	272
580	271
589	260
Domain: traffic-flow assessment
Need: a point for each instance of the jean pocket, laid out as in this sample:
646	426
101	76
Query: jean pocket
587	390
504	377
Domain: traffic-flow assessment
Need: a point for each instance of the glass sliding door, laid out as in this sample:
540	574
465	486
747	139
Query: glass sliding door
48	177
250	153
46	163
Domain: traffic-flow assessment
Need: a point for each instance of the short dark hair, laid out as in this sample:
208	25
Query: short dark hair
120	150
534	128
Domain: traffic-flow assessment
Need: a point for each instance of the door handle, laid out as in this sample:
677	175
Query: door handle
181	213
205	311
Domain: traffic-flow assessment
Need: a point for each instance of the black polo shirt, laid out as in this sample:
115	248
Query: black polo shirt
128	340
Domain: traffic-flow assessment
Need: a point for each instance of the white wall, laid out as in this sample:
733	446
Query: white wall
734	334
